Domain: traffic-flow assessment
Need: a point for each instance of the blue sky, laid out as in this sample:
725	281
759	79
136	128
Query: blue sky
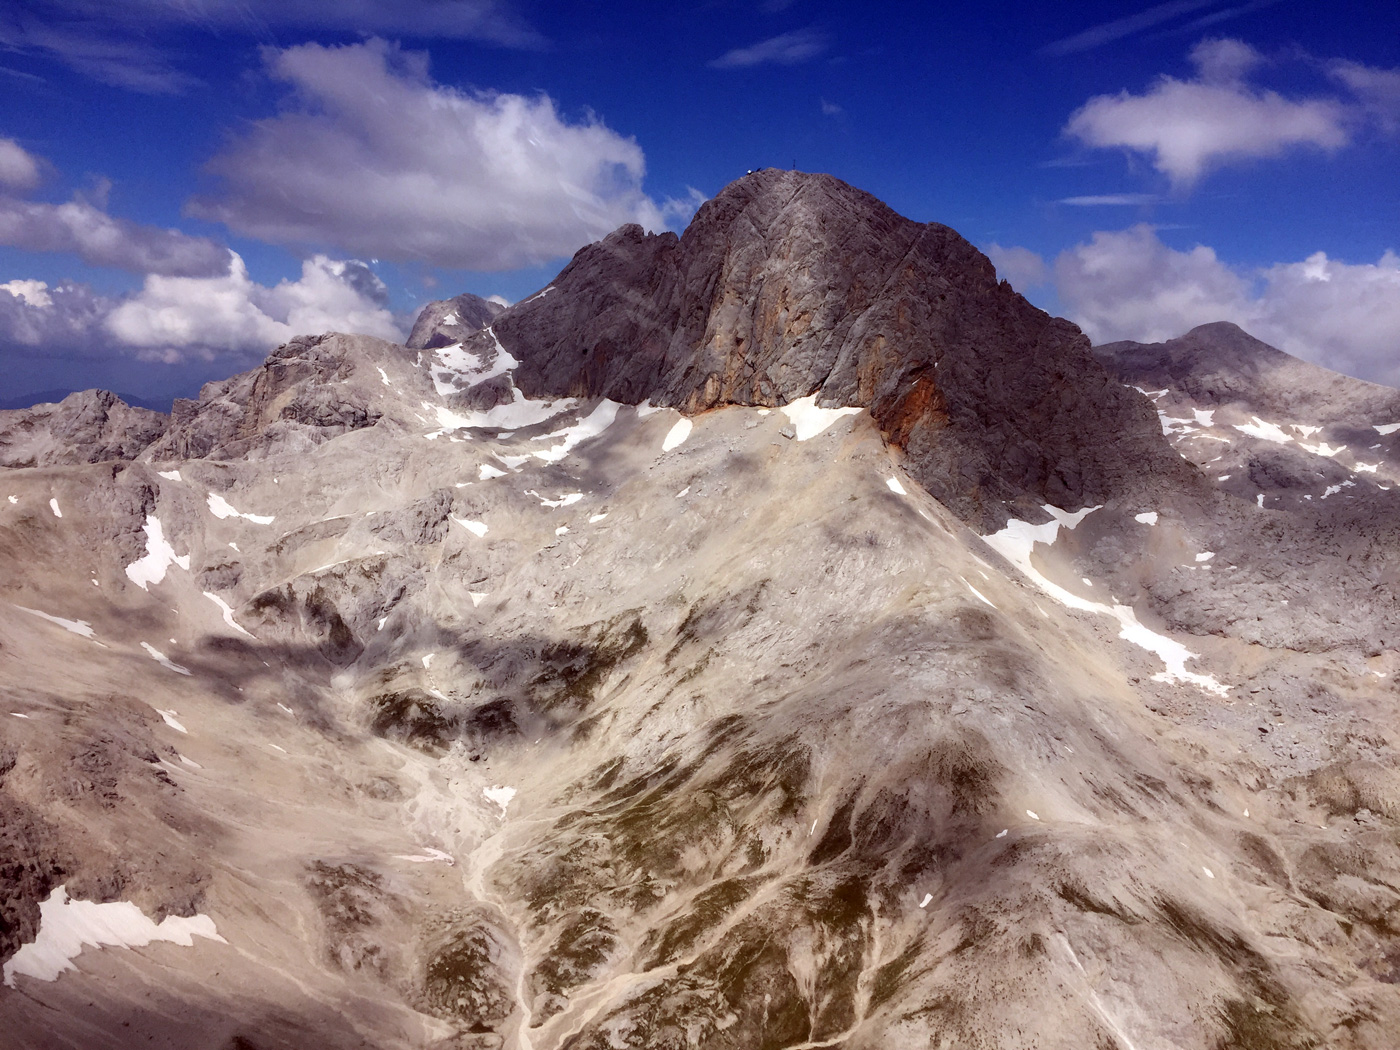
1138	167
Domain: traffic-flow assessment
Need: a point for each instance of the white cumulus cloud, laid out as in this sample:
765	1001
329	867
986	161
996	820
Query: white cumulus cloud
173	317
372	157
177	319
1188	126
86	229
1128	284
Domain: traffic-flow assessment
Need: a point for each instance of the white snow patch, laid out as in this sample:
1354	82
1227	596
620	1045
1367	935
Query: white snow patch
170	475
1305	430
235	547
429	856
278	747
561	530
160	658
14	499
1223	477
159	556
1015	543
1032	814
171	721
676	436
67	926
1261	429
1205	556
220	508
1171	425
512	462
1153	394
190	762
538	295
809	420
499	795
646	408
924	903
563	501
16	714
80	627
383	375
1367	468
1002	833
594	519
287	709
427	660
590	426
1387	428
978	593
476	528
683	492
382	621
227	611
476	597
1260	498
53	506
1147	517
1204	416
513	415
486	472
894	486
1324	449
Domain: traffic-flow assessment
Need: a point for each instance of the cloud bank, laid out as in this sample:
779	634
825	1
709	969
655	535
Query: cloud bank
372	158
1128	284
86	230
178	319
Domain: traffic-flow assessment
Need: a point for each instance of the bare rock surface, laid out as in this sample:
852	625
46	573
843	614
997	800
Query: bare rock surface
788	284
86	427
461	698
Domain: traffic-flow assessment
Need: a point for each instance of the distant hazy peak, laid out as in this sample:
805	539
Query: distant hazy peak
448	320
1221	363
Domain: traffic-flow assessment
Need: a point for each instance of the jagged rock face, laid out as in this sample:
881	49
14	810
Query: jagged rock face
296	400
86	427
788	284
451	320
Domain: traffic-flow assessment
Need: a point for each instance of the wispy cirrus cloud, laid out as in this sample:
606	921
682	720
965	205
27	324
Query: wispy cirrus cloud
1111	200
1097	36
137	44
786	49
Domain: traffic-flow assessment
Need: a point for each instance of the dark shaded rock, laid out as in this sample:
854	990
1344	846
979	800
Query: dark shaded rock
788	284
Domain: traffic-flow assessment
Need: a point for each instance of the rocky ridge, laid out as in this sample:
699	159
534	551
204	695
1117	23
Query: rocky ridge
502	712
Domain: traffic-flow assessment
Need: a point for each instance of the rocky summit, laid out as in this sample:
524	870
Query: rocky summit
782	635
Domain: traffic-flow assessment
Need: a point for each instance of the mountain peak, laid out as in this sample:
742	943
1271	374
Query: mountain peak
788	284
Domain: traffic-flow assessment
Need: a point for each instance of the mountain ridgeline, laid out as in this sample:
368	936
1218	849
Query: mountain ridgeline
774	637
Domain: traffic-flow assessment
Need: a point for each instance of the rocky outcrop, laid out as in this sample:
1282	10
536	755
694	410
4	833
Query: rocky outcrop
91	426
297	399
450	321
788	284
1222	364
